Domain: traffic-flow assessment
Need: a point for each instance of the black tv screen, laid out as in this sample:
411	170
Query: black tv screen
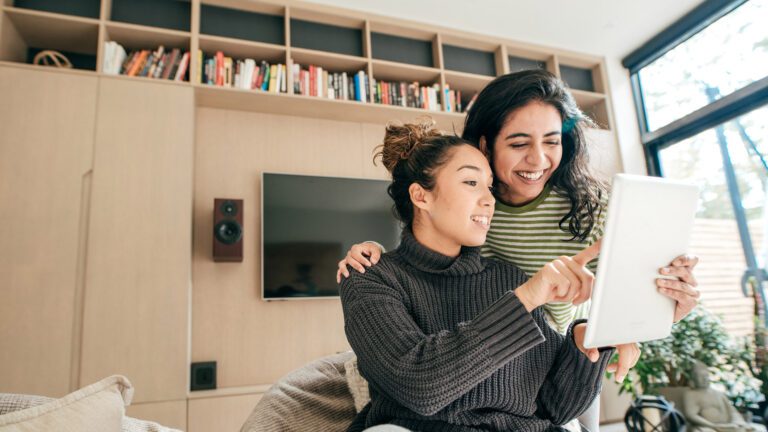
308	225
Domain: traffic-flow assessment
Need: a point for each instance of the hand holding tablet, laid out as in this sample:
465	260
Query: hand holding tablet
639	239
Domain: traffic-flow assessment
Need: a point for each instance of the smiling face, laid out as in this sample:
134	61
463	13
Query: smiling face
458	210
526	152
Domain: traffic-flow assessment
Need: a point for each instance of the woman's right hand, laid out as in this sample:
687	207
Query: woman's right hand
359	255
566	279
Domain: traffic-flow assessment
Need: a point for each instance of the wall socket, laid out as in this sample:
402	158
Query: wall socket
203	376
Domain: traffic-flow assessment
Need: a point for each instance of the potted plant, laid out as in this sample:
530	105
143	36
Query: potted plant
665	365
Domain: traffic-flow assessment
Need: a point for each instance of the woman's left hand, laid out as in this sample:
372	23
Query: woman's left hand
628	353
683	290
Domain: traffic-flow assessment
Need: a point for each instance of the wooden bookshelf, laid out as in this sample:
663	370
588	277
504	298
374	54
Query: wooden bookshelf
287	31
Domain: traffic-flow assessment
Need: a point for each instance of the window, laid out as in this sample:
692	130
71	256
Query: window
701	93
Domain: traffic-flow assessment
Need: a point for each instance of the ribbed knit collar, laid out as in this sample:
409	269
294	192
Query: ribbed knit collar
468	262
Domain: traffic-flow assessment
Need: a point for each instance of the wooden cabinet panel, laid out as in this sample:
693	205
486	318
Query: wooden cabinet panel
138	277
172	414
46	148
216	414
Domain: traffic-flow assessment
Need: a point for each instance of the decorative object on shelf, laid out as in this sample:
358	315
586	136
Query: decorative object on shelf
52	58
707	409
653	414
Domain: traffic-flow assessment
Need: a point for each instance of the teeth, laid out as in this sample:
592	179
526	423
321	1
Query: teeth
485	220
535	175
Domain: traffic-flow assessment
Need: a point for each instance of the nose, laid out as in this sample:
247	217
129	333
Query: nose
487	200
535	155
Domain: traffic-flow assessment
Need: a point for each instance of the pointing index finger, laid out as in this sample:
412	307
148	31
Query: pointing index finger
589	253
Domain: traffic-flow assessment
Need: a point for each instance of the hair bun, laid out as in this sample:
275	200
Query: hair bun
401	140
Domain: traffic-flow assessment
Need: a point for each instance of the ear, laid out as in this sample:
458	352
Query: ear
419	196
483	145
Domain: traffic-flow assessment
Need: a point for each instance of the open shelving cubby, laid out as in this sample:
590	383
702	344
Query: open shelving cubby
245	21
80	8
520	59
26	31
166	14
584	77
292	32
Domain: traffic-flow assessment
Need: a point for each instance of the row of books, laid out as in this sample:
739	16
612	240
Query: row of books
454	101
316	81
413	95
311	80
246	74
158	64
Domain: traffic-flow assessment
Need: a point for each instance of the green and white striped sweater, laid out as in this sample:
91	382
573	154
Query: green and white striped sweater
530	236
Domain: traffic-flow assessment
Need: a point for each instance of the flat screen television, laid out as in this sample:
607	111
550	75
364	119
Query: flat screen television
309	223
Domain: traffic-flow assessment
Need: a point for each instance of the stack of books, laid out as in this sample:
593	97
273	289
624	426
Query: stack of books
319	82
404	94
245	74
159	64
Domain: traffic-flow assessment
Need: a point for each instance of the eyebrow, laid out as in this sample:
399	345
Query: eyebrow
525	135
472	167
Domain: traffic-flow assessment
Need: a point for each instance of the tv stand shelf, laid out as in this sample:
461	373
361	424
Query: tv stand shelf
289	32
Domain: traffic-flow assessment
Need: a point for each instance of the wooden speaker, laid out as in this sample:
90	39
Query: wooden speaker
227	229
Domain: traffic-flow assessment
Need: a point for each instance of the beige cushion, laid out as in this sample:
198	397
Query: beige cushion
312	398
358	386
97	408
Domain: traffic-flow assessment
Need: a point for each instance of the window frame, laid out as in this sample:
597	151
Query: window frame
729	107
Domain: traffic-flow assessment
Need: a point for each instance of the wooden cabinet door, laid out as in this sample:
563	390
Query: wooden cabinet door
46	149
137	285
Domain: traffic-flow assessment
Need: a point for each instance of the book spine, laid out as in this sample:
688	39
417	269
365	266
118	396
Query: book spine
182	67
219	68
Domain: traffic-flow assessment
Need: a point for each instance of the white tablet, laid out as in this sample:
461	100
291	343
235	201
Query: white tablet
649	223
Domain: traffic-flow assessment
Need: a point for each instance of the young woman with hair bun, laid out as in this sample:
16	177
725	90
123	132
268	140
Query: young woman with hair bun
450	340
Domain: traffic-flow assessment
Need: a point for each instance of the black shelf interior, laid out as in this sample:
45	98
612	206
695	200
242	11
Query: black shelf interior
82	8
517	64
402	50
168	14
239	24
79	61
326	37
468	60
577	78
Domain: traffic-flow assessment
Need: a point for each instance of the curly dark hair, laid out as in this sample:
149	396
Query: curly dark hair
510	92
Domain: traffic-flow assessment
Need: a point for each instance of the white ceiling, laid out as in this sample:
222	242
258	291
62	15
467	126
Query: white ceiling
611	28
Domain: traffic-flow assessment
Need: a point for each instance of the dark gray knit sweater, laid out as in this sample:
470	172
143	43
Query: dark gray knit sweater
447	346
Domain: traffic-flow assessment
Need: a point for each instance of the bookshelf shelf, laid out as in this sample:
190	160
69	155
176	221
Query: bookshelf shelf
587	99
242	49
392	71
285	31
466	82
52	16
315	107
31	67
327	60
145	79
135	36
